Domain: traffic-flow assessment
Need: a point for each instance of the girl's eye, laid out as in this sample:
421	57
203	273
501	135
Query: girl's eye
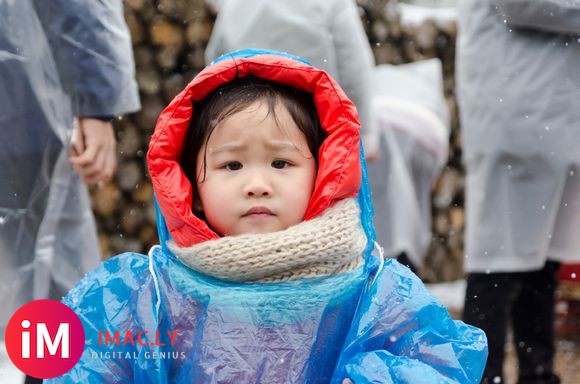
233	165
279	164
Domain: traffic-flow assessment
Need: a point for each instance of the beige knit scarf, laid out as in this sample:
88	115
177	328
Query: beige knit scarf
331	243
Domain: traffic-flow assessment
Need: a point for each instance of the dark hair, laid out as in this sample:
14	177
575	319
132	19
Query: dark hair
235	96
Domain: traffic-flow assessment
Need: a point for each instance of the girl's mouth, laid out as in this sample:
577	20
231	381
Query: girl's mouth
258	211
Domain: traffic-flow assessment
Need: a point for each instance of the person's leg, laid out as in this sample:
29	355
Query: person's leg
404	259
32	380
486	306
533	322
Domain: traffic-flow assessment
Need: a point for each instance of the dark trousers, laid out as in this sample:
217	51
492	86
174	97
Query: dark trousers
404	259
527	298
32	380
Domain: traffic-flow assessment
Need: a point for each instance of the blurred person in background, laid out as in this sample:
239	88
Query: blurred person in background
327	33
59	60
518	91
411	115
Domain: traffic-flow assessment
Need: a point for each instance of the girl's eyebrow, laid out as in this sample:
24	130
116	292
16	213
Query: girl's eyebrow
233	147
238	147
280	144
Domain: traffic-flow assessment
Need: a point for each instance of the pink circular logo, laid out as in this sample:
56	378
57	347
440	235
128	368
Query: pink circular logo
45	339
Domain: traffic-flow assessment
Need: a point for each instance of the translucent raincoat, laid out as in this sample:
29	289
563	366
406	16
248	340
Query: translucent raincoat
411	116
58	59
518	87
327	33
374	324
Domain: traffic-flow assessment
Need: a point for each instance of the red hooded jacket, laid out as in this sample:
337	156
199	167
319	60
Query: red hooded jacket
339	171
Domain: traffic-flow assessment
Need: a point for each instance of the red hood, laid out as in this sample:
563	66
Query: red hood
339	172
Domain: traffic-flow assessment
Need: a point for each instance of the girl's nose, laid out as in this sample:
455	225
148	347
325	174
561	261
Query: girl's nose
257	185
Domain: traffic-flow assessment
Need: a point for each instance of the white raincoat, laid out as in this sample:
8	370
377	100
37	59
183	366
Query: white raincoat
327	33
58	59
519	96
412	117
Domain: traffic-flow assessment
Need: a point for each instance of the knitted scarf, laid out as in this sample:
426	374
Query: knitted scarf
331	243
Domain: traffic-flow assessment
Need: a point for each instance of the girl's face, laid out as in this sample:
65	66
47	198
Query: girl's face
259	172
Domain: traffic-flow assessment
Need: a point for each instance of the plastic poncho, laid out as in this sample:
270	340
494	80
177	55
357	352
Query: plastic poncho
58	59
327	33
518	85
411	114
374	324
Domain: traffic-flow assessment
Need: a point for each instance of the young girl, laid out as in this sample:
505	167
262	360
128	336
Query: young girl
265	272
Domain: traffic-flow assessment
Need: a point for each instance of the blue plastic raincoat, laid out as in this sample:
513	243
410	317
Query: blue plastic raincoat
376	324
